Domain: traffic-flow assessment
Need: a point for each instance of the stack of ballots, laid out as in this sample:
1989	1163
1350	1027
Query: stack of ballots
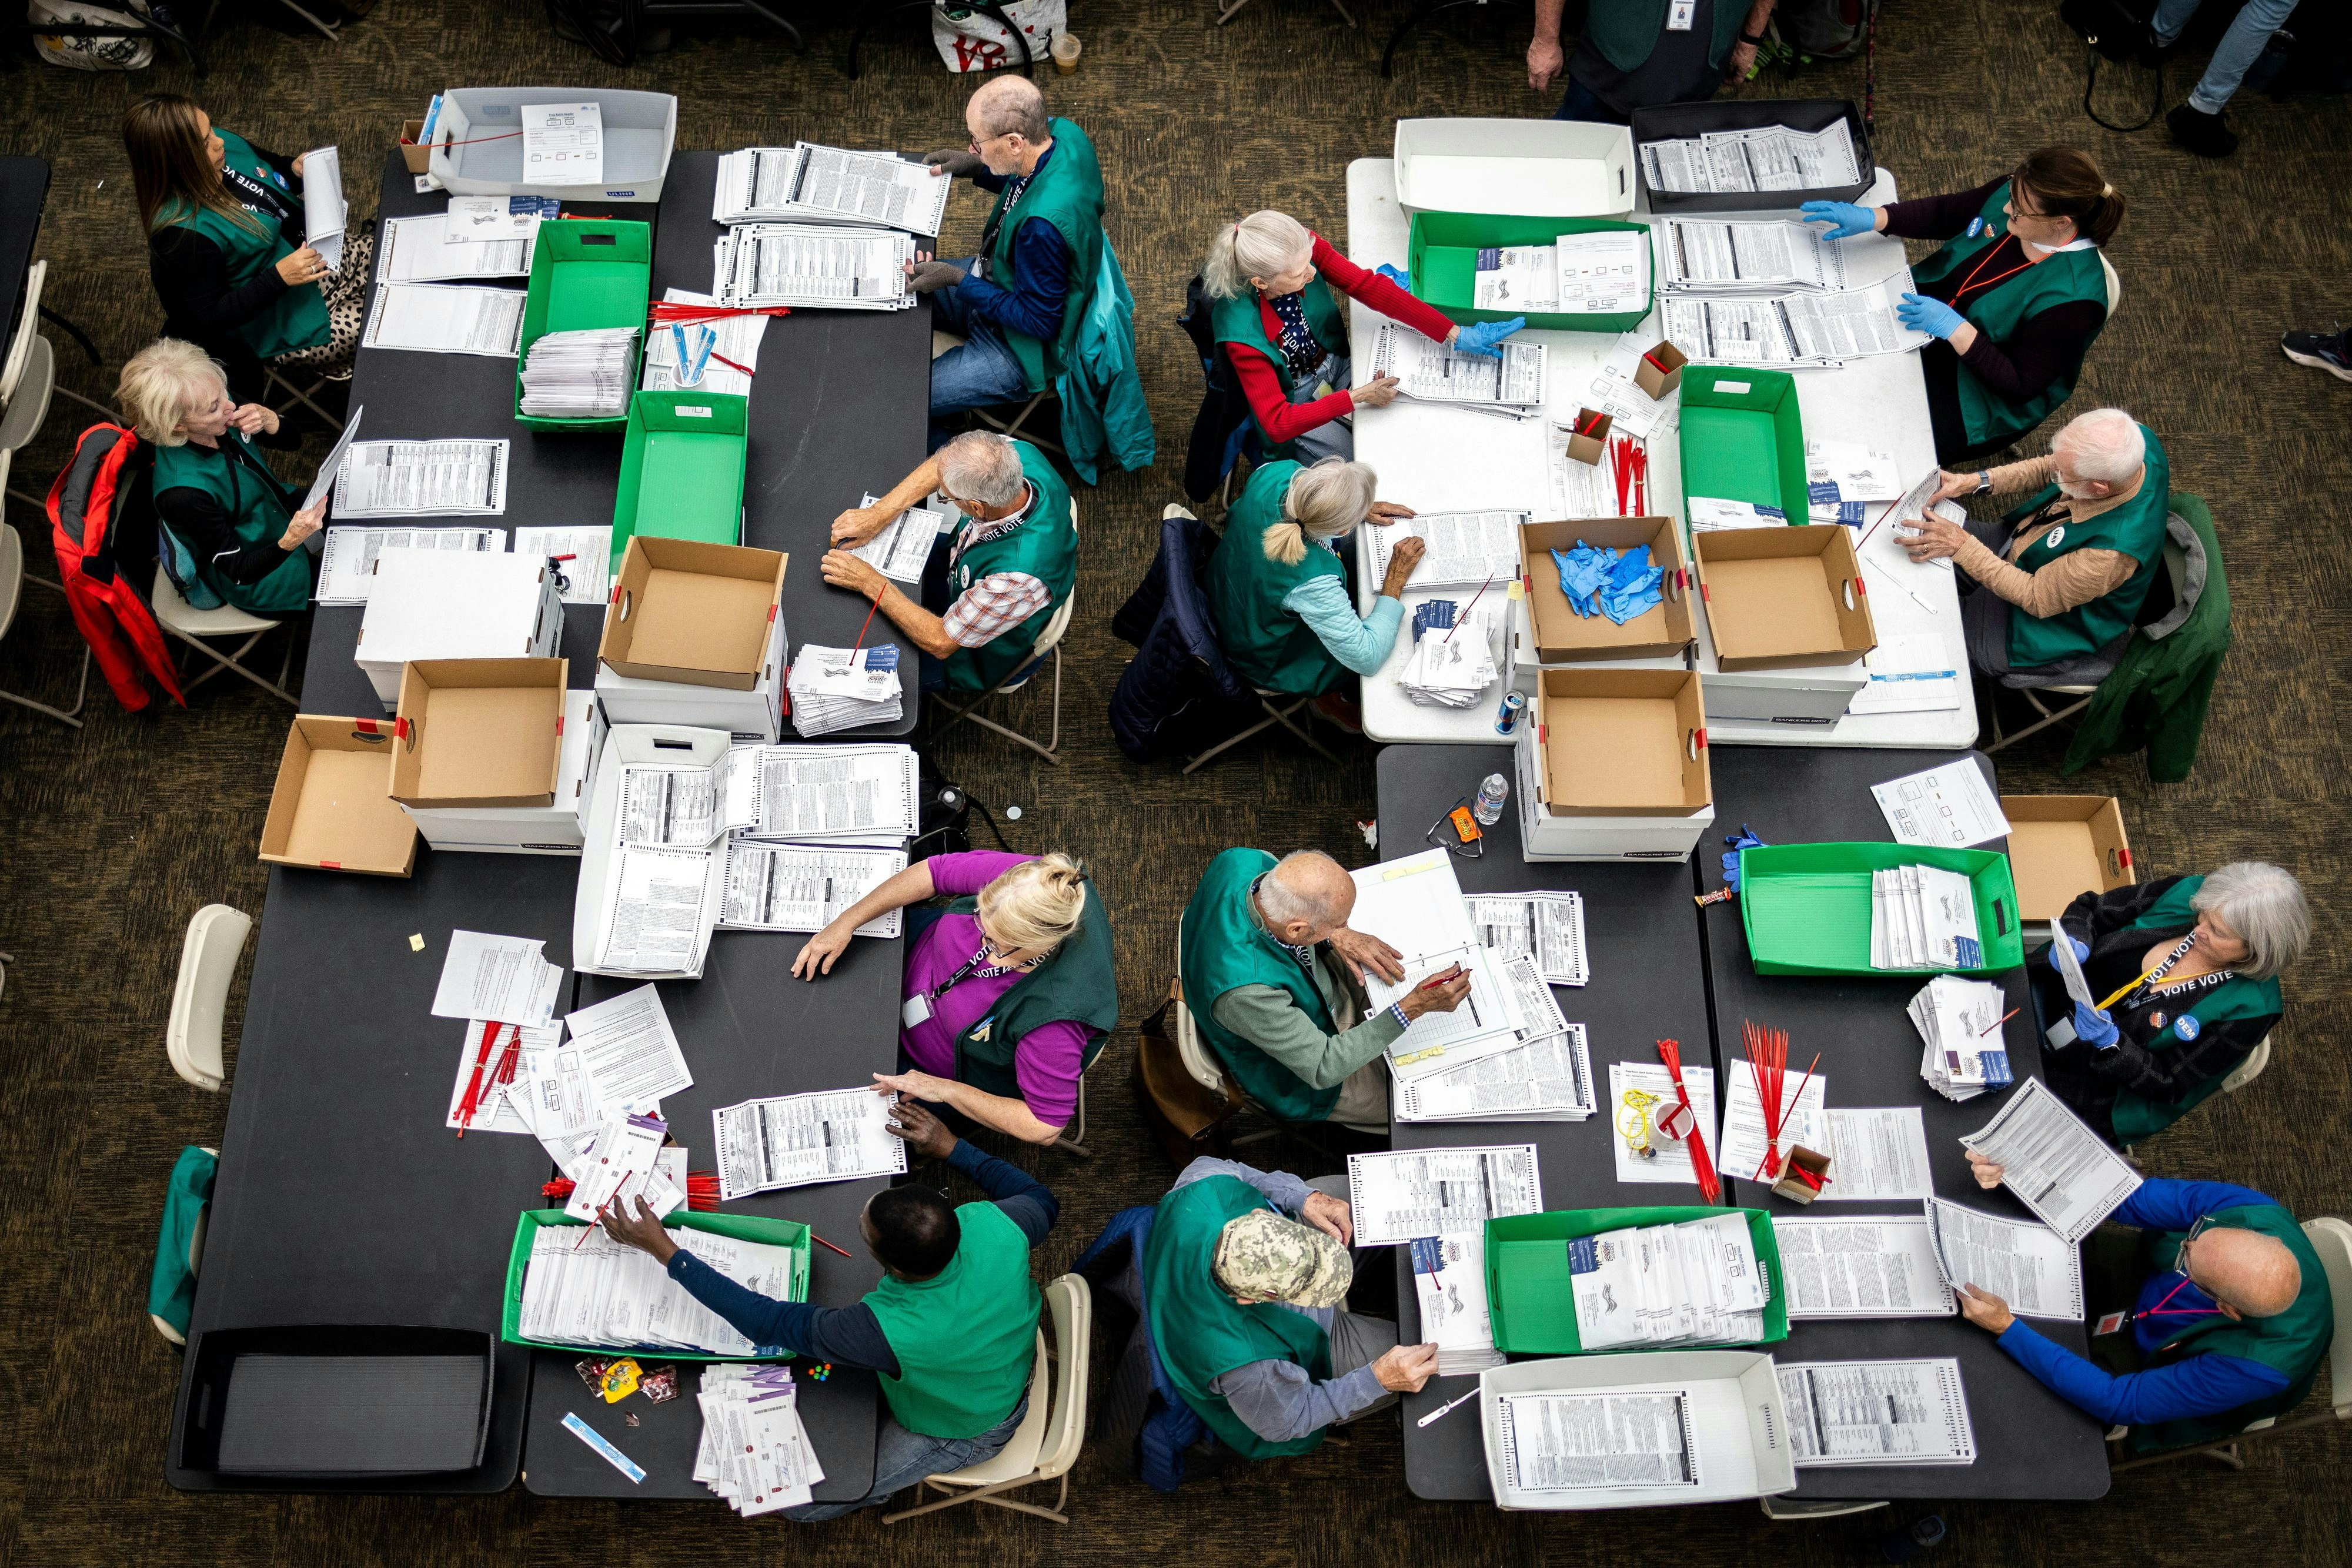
1663	1287
579	375
1452	670
583	1288
1923	917
1960	1022
844	689
755	1453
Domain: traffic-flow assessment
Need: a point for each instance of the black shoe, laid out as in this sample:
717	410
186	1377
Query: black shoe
2154	52
2323	351
2204	135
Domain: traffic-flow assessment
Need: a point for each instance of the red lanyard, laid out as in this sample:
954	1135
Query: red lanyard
1970	281
2158	1310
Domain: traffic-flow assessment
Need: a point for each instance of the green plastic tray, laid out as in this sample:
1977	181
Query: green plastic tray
1528	1296
682	469
1806	907
789	1233
1442	258
1744	439
585	273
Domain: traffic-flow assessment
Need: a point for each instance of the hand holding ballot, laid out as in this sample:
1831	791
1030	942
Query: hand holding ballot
1378	393
1988	1173
1932	538
635	1225
1985	1310
922	1132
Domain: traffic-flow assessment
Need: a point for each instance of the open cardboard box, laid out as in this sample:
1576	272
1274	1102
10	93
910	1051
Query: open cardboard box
1659	371
1622	743
1782	598
2063	846
555	829
692	612
478	731
416	157
1561	636
329	808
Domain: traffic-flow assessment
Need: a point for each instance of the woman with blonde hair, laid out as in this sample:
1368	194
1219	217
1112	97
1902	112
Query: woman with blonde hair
1009	992
1269	278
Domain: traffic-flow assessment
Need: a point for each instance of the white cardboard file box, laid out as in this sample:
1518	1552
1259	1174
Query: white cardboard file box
624	746
1734	1419
478	148
1612	764
555	829
752	716
1798	699
448	604
1516	168
695	637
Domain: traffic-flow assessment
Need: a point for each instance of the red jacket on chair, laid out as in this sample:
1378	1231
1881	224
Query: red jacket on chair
106	481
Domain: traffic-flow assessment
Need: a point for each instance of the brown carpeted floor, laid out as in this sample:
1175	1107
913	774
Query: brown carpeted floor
117	832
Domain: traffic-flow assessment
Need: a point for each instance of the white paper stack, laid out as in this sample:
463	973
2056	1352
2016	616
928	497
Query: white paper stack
1431	374
1546	926
1449	1282
804	887
1438	1201
347	561
1960	1022
815	265
1768	158
859	794
434	248
733	349
844	689
1452	668
1665	1287
809	183
582	1288
1549	1079
1923	917
579	375
755	1453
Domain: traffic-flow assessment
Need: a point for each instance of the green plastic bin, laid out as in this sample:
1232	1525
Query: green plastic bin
682	468
1531	1303
1744	438
789	1233
1806	907
585	273
1442	260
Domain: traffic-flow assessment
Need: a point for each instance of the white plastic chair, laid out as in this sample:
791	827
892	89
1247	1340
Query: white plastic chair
2246	1072
2115	284
1046	1443
1202	1064
1048	645
28	377
196	1262
207	964
12	578
191	625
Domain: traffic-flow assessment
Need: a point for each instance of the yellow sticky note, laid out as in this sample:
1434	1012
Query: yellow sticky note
416	943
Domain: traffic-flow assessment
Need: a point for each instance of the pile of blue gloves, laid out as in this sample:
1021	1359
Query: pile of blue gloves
1745	839
2092	1027
1620	584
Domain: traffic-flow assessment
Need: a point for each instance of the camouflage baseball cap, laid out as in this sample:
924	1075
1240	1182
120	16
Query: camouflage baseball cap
1268	1257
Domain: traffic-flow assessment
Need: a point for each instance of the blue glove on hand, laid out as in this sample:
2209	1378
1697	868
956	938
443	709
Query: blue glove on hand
2081	951
1480	337
1932	317
2094	1027
1845	219
1396	274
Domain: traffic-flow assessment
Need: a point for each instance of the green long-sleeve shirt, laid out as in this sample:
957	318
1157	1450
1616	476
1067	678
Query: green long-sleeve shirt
1269	1020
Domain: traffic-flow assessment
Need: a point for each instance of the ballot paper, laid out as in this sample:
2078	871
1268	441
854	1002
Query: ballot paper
347	560
814	265
628	1049
1949	806
1604	272
1397	1197
1548	1078
1430	373
2032	1268
563	144
423	479
1669	1160
583	558
1770	158
806	183
786	887
734	351
868	793
507	979
1456	669
755	1453
1923	917
1959	1026
1466	549
1569	1441
434	247
834	689
1746	255
479	1060
1741	1151
796	1140
900	550
1449	1284
1547	926
583	1288
1727	332
2066	1174
622	1168
1909	674
655	917
1877	1153
1614	392
492	220
583	374
322	483
1578	489
1797	329
1876	1266
677	807
1484	1023
1661	1287
1844	1413
445	318
325	212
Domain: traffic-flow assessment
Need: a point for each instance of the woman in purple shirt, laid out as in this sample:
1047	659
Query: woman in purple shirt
1009	993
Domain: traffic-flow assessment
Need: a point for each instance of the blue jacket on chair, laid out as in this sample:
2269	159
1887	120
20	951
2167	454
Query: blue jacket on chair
1169	1428
1101	390
1178	692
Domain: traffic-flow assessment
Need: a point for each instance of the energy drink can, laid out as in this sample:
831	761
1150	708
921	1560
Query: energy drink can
1507	720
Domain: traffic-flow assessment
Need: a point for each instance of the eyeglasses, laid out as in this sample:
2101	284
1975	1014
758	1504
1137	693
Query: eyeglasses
2181	1254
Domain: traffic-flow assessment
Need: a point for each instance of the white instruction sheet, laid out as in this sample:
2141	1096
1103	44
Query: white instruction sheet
583	558
1949	806
1640	1092
630	1053
1877	1153
563	144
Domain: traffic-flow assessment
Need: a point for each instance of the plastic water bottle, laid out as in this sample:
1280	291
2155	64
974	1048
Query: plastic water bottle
1488	807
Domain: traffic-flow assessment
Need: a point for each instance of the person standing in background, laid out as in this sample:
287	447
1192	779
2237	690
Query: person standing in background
1639	54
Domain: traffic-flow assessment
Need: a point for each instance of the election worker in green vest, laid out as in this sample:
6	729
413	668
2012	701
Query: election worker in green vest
1245	1279
2198	961
2014	299
1008	993
1643	54
2221	1320
1019	304
1274	981
991	586
2051	591
951	1330
235	524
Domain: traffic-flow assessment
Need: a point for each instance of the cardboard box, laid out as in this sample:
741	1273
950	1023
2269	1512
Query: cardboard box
1659	371
478	148
2063	846
555	829
1528	168
1559	635
1780	599
1587	435
412	153
624	744
448	604
479	733
329	808
1612	765
693	613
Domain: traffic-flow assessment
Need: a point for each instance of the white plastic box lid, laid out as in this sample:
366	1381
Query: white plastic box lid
1516	168
450	604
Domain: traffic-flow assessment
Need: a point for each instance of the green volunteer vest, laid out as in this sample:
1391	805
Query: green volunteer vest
2291	1345
1239	320
1223	948
258	506
2136	528
1066	191
966	1339
2135	1115
2060	279
1272	647
1045	547
1625	31
298	319
1077	984
1200	1331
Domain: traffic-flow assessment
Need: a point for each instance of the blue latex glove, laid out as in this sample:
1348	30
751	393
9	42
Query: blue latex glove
2095	1027
1632	587
1845	219
1582	571
2081	951
1745	839
1932	317
1480	337
1396	274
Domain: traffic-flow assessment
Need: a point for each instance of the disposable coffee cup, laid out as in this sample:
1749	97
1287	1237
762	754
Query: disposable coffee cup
1065	48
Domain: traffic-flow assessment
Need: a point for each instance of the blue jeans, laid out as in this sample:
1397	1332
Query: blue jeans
902	1457
982	373
2242	46
1580	102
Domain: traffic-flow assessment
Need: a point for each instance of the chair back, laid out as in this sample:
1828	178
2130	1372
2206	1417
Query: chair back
1206	1070
2246	1072
2332	1239
1070	1303
2115	284
207	964
12	565
28	327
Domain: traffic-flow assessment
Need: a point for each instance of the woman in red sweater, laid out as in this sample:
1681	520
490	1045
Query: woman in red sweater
1271	278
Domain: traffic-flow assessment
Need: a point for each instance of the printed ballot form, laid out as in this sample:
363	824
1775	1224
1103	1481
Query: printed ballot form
563	144
1877	1413
1669	1159
813	265
654	917
790	887
900	550
865	792
583	558
1401	1196
806	183
1486	1022
1876	1266
581	1286
628	1049
1747	254
445	319
1466	549
423	479
2032	1268
679	807
795	1140
347	561
1949	806
1431	374
2066	1174
1547	927
1768	158
505	978
1549	1079
434	247
325	213
1551	1441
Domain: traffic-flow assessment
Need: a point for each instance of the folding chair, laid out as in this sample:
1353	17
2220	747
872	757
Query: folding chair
1274	715
1048	644
270	377
2246	1072
190	625
943	341
12	578
193	1040
2157	619
1210	1074
29	376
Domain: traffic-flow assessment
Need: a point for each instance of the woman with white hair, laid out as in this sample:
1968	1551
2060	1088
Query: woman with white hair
2201	957
1269	278
1276	587
2055	588
1009	991
235	522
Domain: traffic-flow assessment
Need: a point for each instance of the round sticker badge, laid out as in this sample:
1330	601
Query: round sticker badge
2187	1027
2056	536
2155	1020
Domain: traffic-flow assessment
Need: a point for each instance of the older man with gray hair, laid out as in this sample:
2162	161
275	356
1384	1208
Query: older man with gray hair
2052	589
1274	979
988	592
